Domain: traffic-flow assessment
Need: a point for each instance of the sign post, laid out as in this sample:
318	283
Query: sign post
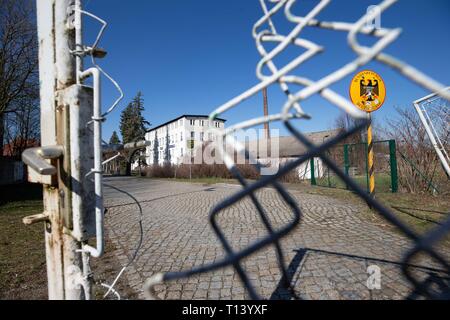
370	158
368	93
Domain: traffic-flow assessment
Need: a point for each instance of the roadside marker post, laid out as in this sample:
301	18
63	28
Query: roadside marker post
368	93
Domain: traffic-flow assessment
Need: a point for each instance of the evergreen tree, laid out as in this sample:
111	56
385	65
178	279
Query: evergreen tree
156	150
167	151
114	138
133	125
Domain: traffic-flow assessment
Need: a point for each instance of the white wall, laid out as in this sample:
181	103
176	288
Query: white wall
303	171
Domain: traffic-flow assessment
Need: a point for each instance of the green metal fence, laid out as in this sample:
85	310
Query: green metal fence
353	159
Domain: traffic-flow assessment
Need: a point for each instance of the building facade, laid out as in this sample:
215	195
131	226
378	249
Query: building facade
173	140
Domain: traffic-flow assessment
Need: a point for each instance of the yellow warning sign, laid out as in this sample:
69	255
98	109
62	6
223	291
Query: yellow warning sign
367	91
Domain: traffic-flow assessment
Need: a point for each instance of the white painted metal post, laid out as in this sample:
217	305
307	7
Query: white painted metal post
57	68
78	38
98	161
435	140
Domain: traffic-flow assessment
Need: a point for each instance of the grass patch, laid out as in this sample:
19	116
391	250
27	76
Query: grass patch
421	212
382	182
105	270
23	273
22	250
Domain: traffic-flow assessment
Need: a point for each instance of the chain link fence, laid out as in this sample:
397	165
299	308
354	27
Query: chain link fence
353	159
265	33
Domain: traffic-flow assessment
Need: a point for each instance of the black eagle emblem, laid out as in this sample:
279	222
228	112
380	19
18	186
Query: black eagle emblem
369	89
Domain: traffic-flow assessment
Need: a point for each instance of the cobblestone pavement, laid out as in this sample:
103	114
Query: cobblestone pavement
328	254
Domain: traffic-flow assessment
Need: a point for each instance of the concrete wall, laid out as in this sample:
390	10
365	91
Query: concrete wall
303	171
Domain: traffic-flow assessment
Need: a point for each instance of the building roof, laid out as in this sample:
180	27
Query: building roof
290	146
181	117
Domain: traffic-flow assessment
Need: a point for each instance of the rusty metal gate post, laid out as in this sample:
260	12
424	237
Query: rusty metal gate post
63	161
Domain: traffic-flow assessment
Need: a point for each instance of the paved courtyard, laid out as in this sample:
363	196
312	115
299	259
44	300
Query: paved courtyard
328	254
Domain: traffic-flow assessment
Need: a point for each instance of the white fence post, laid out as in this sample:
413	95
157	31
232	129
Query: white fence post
65	110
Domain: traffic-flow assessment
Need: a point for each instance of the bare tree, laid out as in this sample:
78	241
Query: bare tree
19	82
420	167
438	112
22	127
345	121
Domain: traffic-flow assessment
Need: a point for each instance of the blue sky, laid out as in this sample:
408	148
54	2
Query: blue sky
191	56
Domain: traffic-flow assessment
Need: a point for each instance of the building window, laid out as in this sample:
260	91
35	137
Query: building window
202	136
192	122
181	136
181	152
192	135
217	124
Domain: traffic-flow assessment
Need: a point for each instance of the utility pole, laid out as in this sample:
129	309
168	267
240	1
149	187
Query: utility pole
66	155
266	113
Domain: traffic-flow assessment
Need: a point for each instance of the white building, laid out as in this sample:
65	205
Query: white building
280	150
178	136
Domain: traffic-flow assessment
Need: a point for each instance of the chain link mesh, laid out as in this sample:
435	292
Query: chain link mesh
435	115
265	33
